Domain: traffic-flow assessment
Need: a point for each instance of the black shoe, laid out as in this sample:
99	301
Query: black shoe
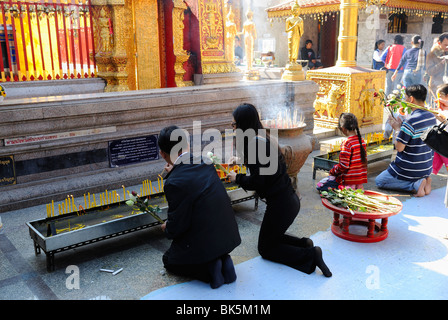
228	270
215	271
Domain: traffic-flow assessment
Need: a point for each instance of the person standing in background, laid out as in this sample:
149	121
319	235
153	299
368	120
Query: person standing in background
378	51
413	62
391	58
436	64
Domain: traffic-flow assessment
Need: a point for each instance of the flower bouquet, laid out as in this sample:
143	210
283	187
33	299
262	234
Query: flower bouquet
142	205
395	102
216	162
357	200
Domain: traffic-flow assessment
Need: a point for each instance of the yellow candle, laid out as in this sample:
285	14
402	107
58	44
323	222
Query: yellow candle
150	186
106	198
101	198
52	207
438	99
63	208
89	200
73	204
94	200
66	205
85	201
124	193
48	212
158	183
59	207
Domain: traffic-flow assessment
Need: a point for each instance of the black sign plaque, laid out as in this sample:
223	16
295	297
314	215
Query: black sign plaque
7	171
133	150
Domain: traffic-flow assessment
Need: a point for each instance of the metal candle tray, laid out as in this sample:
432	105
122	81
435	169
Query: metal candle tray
325	162
76	229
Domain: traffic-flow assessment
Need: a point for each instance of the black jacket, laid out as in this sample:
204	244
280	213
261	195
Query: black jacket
201	220
266	186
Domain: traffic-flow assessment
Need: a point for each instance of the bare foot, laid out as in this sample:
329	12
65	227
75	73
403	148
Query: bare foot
421	189
428	186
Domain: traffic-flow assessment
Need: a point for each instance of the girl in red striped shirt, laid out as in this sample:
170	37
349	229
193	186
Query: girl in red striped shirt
351	171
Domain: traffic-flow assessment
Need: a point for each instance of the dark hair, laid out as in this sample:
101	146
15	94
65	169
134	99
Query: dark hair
417	39
418	91
443	88
378	43
166	144
308	41
246	117
398	39
443	36
349	122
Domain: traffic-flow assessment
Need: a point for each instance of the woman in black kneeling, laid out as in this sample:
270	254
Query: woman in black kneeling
271	182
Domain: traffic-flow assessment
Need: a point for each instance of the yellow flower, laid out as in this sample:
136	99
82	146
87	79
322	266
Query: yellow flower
2	91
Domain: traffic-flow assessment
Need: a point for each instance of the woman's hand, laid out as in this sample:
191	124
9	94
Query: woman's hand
393	76
443	104
441	117
233	160
231	176
163	226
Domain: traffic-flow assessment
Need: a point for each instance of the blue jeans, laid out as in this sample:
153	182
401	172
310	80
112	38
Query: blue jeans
392	85
410	77
386	181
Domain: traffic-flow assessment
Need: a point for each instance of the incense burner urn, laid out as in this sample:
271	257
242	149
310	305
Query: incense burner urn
296	147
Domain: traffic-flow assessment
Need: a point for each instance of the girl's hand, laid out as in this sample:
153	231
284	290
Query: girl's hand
231	176
163	227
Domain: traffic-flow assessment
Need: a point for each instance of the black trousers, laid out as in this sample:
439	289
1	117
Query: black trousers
274	244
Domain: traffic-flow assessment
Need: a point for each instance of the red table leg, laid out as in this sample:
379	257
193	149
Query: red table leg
371	228
335	219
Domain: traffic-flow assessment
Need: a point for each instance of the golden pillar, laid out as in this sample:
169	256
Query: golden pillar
348	34
347	87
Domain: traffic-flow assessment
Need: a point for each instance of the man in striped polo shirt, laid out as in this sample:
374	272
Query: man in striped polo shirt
411	169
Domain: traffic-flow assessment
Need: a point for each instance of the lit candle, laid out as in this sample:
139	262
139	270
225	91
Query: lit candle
66	205
106	198
124	192
73	204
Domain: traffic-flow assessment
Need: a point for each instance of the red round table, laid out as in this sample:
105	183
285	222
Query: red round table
375	231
